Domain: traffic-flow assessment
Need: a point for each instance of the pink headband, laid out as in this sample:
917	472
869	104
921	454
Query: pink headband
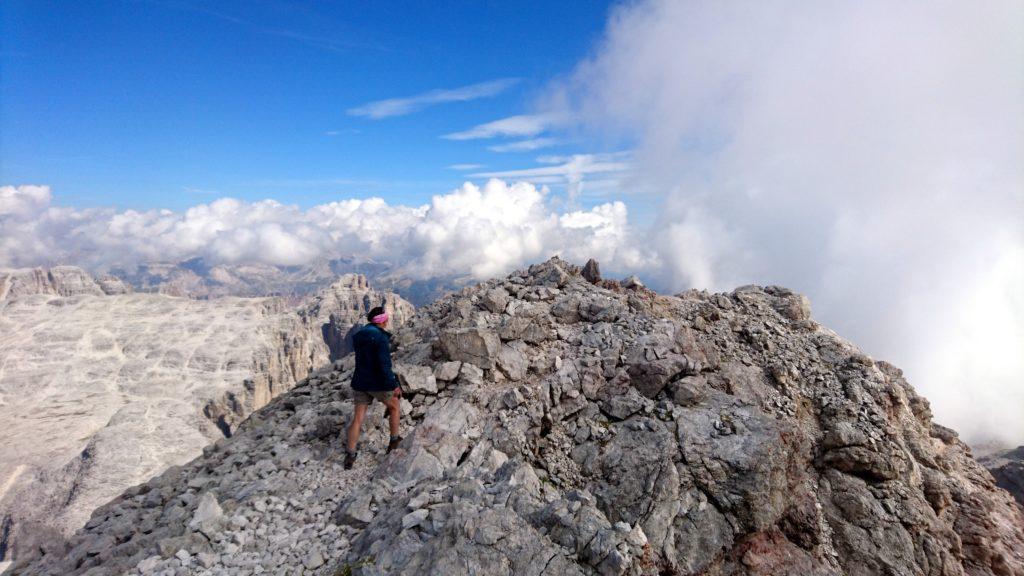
380	318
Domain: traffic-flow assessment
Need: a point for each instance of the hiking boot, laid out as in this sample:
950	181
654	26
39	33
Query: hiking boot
350	459
394	444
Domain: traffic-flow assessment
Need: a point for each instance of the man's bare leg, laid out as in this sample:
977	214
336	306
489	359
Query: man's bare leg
355	426
394	414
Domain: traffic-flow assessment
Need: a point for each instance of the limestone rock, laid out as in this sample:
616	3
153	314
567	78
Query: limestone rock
447	371
591	271
356	512
57	281
112	285
414	518
313	560
512	361
495	299
416	379
632	282
475	346
207	511
796	307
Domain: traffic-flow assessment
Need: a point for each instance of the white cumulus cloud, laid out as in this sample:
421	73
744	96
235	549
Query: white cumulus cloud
525	145
481	231
23	200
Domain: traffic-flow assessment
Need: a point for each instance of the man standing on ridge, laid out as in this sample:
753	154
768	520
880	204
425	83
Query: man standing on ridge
372	380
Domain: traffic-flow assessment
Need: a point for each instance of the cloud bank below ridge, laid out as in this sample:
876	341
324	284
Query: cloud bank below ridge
477	230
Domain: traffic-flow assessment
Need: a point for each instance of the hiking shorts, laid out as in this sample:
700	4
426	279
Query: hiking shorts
362	397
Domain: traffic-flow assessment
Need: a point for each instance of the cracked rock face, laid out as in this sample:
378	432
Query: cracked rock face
641	434
101	388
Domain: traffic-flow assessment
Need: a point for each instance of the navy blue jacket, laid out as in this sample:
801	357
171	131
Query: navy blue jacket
372	345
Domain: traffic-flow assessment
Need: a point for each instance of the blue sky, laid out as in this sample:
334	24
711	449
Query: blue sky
865	153
170	103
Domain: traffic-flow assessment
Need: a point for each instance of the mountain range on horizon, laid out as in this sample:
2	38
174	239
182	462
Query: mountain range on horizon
195	278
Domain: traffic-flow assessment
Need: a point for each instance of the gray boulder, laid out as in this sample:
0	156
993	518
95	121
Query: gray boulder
494	300
476	346
447	371
416	379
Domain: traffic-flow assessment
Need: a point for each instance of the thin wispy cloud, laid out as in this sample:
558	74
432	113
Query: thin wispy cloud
465	167
331	44
620	156
571	172
401	106
525	145
581	164
200	191
316	182
521	126
355	186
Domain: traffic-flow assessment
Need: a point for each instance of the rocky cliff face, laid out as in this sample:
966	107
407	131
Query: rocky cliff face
558	426
101	388
340	309
1007	467
58	281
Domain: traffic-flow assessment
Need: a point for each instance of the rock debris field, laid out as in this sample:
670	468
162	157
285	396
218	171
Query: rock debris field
558	423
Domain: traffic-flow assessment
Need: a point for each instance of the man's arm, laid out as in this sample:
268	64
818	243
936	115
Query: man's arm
384	357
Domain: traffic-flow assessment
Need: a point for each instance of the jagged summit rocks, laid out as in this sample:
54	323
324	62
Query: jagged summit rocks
591	271
583	428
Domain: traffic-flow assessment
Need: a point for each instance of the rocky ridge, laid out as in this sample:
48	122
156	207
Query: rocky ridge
100	388
561	427
57	281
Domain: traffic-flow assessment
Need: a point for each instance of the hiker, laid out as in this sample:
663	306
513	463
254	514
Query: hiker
373	379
